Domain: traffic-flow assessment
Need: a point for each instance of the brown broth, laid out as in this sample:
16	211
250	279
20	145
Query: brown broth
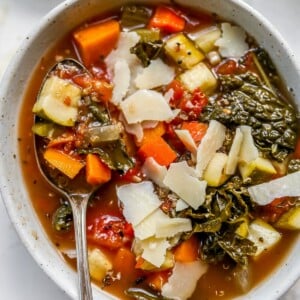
216	283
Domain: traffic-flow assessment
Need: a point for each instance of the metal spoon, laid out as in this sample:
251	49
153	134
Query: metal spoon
78	193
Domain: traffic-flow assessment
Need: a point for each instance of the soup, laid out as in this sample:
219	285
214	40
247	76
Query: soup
186	133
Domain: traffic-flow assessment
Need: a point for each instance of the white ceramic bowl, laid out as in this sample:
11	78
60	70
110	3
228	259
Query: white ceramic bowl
52	27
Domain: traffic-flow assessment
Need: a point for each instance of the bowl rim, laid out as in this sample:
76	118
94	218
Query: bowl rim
42	24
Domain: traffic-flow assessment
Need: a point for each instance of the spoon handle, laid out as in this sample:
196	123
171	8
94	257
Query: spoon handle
79	206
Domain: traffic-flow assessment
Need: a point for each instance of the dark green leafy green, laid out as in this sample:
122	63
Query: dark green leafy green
113	154
147	51
217	219
245	101
100	113
294	165
62	219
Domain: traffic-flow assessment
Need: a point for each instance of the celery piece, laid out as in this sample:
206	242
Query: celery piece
135	16
148	35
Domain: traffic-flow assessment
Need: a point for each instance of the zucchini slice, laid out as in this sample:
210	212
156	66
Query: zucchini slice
58	101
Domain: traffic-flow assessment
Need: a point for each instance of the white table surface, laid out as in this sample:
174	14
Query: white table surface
20	276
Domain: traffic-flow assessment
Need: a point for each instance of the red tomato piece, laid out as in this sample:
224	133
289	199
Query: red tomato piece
109	231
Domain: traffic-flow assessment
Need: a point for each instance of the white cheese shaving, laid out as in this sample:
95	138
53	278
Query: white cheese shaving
181	179
139	201
232	42
248	151
122	51
155	75
148	227
187	140
172	226
146	105
154	250
182	283
233	155
286	186
181	205
154	171
121	81
211	142
134	129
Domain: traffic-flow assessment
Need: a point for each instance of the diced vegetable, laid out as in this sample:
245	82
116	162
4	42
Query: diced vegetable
205	38
146	105
183	281
243	228
232	42
200	76
97	40
290	220
58	101
134	16
99	264
46	129
260	169
213	58
196	129
148	35
158	149
183	51
263	235
211	142
214	174
166	20
63	162
155	75
96	171
286	186
151	133
192	191
187	251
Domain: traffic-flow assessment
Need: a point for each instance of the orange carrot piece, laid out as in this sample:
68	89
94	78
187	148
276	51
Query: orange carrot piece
159	149
151	133
124	260
65	163
96	171
166	20
187	251
96	40
196	129
158	279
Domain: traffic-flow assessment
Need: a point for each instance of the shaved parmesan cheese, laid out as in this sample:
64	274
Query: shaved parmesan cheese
146	105
134	129
181	205
169	95
187	140
233	155
154	250
148	227
121	81
248	151
154	171
155	75
181	179
286	186
211	142
232	42
171	226
122	51
139	201
183	281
